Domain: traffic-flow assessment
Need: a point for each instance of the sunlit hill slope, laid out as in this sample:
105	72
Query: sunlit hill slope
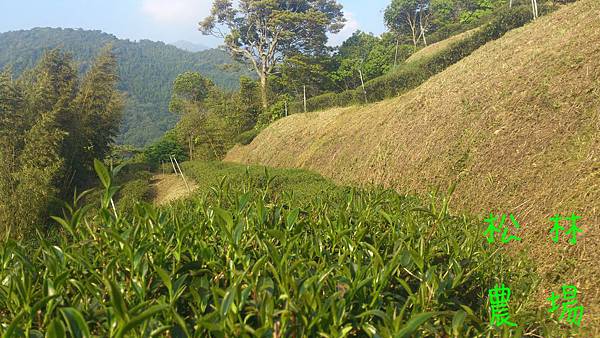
516	125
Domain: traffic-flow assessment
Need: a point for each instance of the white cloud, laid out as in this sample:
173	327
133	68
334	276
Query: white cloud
351	26
177	11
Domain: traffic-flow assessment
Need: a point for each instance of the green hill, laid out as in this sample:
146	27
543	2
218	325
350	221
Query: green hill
147	70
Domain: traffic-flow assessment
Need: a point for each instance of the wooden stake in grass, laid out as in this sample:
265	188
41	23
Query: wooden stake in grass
362	81
534	7
305	99
173	164
181	173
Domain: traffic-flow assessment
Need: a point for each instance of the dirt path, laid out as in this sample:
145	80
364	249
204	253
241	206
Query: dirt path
170	187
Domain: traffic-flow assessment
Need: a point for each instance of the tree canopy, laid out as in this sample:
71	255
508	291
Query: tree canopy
264	32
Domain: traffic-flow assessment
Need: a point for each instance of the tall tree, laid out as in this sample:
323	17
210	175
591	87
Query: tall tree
402	17
51	128
11	143
264	32
190	91
30	144
41	167
98	107
189	88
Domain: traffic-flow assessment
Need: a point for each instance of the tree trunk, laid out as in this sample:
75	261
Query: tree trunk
414	36
263	92
421	27
413	27
362	81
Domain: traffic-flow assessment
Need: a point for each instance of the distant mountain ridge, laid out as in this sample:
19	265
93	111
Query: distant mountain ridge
189	46
147	70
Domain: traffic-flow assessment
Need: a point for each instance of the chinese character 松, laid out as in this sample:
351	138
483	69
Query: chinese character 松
492	229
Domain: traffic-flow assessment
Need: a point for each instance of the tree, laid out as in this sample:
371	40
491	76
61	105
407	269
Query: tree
190	91
189	88
98	106
402	17
300	71
162	150
264	32
249	100
41	166
418	17
51	128
30	146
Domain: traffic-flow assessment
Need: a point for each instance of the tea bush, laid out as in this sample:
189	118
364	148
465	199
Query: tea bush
247	258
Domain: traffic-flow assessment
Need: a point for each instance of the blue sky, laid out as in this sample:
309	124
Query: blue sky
164	20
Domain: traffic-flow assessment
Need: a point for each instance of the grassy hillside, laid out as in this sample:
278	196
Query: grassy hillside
516	125
147	70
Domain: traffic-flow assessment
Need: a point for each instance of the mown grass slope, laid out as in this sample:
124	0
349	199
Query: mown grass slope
516	125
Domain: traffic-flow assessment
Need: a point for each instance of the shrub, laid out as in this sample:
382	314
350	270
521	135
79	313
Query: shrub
162	150
247	137
134	190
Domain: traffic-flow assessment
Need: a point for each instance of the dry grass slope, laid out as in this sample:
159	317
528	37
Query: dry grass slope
516	124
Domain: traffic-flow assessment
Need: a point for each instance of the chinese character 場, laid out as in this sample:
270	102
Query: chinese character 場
571	312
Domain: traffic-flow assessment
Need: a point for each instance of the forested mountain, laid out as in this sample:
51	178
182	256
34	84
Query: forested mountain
147	70
189	46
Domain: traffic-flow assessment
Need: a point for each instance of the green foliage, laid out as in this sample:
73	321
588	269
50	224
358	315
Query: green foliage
411	75
147	70
208	128
249	103
189	88
247	137
251	258
162	150
402	17
99	108
302	184
263	33
134	189
53	127
35	182
315	73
